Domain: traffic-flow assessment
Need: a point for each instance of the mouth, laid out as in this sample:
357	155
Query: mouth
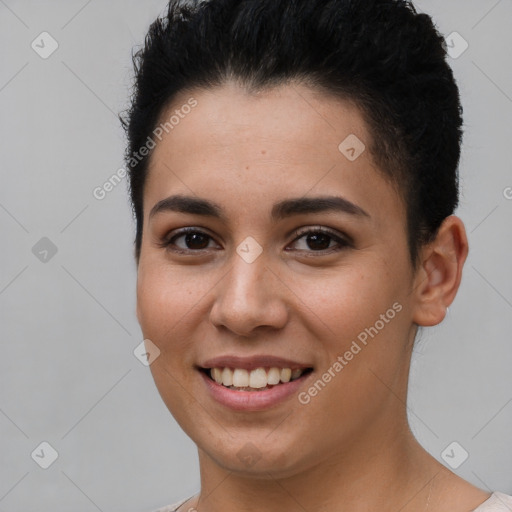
257	379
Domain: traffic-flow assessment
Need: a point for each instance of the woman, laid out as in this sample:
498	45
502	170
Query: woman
293	171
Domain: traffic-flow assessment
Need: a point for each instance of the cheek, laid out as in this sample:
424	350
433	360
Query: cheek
347	299
166	303
364	310
164	298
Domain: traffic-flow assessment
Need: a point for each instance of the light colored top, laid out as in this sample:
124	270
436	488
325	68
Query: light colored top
176	506
498	502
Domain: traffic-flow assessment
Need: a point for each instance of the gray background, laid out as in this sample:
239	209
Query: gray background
68	375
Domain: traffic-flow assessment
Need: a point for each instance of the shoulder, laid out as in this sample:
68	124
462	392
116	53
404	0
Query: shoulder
173	507
498	502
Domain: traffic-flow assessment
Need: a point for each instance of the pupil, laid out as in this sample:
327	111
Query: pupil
192	238
315	241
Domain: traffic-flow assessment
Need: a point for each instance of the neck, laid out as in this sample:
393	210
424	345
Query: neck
389	471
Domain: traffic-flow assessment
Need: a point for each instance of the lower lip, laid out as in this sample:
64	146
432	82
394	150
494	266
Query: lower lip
253	400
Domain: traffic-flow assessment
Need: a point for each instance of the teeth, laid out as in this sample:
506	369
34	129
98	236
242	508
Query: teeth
286	374
227	377
296	373
274	376
258	378
255	379
216	374
240	378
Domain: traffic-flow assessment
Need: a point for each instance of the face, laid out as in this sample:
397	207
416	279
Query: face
270	276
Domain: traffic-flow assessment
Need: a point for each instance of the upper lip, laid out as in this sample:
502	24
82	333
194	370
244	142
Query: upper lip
251	363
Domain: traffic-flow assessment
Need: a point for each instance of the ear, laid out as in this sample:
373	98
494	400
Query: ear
439	272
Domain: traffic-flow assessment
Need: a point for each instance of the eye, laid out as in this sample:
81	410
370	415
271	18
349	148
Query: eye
320	239
315	240
193	240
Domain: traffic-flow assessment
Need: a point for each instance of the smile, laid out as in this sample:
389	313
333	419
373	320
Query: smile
257	379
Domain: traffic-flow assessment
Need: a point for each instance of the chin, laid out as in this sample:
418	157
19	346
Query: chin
256	457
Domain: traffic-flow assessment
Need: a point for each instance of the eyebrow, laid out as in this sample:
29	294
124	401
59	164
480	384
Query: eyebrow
281	210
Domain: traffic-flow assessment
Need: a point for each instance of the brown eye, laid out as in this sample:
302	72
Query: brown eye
193	240
320	239
196	241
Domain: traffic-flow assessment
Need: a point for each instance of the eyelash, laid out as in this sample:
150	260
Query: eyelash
298	234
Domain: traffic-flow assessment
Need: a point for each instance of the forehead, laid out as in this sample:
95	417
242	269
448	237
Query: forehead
260	147
294	117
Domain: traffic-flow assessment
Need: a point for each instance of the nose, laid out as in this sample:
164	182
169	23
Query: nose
250	297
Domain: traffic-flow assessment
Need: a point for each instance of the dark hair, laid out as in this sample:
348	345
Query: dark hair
381	55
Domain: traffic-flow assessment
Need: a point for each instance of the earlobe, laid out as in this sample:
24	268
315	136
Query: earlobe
440	271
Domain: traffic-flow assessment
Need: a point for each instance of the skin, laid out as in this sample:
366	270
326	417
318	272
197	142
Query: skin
350	447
